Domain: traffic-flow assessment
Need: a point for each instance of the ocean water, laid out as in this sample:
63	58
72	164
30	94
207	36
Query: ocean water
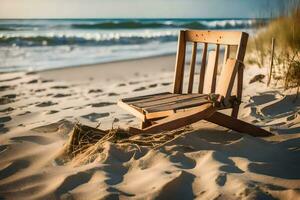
34	45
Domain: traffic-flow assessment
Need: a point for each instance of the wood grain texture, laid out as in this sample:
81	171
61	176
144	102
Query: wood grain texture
180	62
202	69
192	67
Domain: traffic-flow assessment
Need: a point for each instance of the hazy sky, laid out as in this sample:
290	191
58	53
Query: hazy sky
136	8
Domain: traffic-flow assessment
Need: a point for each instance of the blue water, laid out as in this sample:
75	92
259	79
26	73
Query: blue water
27	45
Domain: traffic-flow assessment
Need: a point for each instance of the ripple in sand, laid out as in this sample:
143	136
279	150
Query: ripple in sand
10	79
46	104
94	116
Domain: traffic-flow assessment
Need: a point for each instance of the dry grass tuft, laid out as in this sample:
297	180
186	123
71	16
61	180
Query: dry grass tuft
86	143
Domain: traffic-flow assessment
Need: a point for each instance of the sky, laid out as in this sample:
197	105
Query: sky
137	8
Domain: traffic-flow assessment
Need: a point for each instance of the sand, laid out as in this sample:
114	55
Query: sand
38	111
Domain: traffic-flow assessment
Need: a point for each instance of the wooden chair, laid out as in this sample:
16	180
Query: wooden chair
168	111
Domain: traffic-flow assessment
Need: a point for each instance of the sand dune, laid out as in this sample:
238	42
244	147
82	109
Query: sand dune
38	112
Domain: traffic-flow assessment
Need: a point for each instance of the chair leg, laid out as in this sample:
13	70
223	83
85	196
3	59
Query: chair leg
235	111
145	124
181	119
237	125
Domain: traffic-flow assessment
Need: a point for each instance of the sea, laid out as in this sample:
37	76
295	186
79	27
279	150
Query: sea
43	44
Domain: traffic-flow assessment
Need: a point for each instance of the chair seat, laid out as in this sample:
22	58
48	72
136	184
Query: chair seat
164	104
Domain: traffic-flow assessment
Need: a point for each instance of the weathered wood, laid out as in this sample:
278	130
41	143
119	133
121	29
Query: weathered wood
192	67
173	99
145	124
240	74
181	119
136	112
177	109
241	50
180	62
237	125
227	77
209	72
202	69
180	104
214	77
147	97
214	37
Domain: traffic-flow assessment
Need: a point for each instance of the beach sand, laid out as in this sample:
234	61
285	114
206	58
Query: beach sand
38	112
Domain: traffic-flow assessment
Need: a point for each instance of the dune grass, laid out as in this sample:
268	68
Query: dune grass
286	31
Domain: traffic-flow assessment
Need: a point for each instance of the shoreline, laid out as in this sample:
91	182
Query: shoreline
113	70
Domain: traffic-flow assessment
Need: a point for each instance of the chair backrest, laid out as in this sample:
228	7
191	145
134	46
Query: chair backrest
235	43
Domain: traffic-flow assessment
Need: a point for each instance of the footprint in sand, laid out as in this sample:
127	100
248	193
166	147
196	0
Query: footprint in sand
139	89
165	84
94	116
46	103
5	119
33	81
47	81
3	129
95	91
9	109
60	95
5	87
113	94
59	87
152	85
39	90
50	112
7	99
102	104
24	113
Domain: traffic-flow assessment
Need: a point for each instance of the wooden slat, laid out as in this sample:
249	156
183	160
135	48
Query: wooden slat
240	57
242	47
214	37
227	77
138	113
202	70
181	119
214	78
208	79
178	105
170	99
192	68
179	66
147	98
